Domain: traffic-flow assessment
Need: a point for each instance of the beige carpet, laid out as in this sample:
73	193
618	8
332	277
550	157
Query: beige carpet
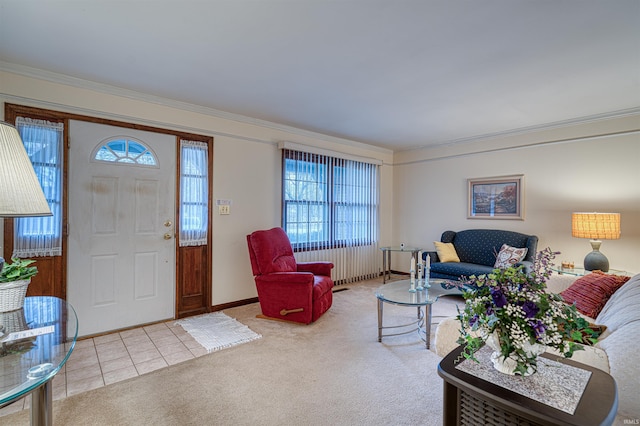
332	372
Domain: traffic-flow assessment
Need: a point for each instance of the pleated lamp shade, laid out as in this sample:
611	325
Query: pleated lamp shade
596	226
20	191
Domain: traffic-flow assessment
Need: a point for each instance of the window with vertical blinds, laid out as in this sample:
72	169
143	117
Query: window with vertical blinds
328	202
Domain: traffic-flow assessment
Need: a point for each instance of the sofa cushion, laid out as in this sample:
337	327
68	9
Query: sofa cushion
509	256
622	306
622	348
454	270
446	252
622	318
591	292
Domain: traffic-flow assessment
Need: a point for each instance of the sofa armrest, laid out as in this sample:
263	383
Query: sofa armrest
316	268
528	266
433	256
532	248
447	334
448	236
559	283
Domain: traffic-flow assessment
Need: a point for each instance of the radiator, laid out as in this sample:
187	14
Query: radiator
350	263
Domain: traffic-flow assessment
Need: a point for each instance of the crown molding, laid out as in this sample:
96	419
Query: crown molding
212	112
530	129
54	77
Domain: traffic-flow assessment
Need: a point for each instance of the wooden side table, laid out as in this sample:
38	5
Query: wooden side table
470	400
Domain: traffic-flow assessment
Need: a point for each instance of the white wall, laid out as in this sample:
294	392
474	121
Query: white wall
565	171
246	165
423	192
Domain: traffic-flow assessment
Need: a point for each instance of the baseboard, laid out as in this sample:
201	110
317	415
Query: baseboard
235	304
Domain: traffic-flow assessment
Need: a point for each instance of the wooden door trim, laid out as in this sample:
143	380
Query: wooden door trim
187	257
52	271
11	111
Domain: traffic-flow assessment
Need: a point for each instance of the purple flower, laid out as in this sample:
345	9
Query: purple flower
499	299
530	309
474	320
538	327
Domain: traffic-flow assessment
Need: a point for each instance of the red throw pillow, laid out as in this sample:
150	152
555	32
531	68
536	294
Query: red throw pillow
591	292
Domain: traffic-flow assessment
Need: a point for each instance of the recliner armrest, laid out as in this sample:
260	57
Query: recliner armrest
316	268
305	278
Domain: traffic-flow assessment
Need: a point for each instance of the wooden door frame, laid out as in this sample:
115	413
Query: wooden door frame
52	279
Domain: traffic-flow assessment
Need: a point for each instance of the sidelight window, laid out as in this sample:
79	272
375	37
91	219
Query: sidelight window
194	193
42	236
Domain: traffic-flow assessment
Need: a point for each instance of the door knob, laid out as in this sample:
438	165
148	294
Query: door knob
167	236
168	224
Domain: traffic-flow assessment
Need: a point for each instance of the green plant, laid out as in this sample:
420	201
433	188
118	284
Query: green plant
19	269
514	304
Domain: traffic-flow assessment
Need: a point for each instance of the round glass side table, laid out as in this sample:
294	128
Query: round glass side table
37	341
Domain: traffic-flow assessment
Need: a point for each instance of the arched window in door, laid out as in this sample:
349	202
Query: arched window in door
126	151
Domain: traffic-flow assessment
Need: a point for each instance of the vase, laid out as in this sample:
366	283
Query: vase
507	365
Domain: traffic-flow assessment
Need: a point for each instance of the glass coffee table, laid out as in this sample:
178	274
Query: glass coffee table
398	293
35	343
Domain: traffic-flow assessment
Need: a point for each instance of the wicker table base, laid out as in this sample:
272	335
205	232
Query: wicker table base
470	400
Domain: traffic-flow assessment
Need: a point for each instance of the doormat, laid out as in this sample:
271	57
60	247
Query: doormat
217	331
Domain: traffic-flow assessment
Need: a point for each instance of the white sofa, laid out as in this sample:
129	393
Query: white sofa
617	351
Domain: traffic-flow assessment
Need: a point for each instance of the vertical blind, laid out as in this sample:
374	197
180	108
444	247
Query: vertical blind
42	236
329	202
194	193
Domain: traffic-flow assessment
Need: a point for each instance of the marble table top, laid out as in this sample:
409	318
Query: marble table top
555	384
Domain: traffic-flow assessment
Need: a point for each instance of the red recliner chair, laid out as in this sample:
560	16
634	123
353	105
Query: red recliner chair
287	290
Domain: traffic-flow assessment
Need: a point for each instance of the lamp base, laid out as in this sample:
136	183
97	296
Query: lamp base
596	261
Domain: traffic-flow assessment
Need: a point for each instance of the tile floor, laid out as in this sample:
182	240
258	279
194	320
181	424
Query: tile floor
100	361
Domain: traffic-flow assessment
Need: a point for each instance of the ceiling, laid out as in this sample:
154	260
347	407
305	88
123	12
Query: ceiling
396	74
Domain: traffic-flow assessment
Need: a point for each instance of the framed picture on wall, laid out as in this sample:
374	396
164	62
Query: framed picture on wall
500	197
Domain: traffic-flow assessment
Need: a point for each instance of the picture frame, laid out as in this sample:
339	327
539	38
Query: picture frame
499	197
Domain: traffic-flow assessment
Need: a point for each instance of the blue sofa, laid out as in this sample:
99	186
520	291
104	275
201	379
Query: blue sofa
477	250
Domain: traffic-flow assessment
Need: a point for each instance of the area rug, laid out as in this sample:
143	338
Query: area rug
217	331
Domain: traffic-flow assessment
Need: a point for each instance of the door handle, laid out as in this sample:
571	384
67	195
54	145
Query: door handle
168	224
167	236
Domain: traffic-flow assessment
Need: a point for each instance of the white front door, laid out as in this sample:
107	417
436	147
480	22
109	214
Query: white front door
121	269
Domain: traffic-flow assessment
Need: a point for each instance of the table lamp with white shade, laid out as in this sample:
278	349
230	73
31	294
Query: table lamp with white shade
596	227
20	191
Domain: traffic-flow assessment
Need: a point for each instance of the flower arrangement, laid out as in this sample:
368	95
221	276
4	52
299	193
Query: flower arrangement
510	308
